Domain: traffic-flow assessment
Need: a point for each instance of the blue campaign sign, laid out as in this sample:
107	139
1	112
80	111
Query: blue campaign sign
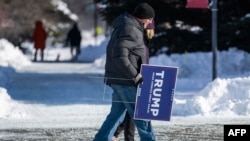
155	96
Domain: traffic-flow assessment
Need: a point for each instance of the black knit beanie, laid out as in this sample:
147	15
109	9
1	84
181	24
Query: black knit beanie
144	11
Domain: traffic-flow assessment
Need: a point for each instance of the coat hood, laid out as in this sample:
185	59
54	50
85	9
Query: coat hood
126	20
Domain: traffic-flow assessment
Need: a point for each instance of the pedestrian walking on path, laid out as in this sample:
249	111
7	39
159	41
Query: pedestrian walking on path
125	53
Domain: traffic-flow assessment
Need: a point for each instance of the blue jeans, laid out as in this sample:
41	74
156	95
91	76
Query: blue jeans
123	99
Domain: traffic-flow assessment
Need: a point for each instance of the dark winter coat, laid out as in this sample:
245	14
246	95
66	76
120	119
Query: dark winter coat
39	36
74	36
125	51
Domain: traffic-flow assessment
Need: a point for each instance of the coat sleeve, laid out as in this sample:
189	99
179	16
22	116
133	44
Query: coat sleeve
122	55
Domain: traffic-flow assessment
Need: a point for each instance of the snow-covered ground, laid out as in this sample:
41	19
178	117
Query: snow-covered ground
60	93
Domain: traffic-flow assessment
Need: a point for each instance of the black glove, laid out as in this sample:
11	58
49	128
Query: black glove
138	79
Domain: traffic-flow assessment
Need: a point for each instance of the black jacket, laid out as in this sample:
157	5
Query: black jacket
74	36
125	51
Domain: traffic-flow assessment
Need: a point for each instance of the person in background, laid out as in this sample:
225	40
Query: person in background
149	34
124	55
128	125
74	39
39	38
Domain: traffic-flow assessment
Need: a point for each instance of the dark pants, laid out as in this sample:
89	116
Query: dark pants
41	53
123	100
129	128
75	50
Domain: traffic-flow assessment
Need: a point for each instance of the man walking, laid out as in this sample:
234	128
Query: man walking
124	55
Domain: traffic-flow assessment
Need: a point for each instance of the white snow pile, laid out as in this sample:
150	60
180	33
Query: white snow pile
223	97
11	60
12	109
